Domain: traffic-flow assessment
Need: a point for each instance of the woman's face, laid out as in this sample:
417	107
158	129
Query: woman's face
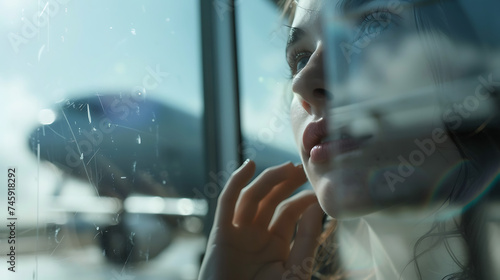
364	112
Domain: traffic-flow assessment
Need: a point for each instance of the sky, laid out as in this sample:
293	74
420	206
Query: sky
65	48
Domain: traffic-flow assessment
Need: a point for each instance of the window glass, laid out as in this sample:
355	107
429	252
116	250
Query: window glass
102	105
265	92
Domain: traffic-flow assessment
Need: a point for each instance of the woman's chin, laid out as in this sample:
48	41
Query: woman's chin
347	193
344	196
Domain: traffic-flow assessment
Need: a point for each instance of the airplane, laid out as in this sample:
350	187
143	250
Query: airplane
143	158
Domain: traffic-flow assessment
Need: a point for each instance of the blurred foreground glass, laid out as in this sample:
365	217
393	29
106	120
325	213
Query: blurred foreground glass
411	85
413	130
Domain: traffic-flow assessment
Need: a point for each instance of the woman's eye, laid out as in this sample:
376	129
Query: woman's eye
301	61
374	23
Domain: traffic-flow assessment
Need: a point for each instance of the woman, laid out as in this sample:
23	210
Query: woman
391	131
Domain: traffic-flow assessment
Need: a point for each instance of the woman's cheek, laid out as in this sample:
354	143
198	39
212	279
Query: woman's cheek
297	117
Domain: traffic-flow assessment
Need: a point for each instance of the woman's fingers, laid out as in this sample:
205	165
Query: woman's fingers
306	240
248	202
279	193
288	213
229	196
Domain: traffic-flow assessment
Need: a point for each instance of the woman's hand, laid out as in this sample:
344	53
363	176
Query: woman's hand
254	227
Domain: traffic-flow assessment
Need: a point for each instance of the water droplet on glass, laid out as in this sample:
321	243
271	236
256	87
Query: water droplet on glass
81	156
164	182
139	139
134	165
133	31
62	38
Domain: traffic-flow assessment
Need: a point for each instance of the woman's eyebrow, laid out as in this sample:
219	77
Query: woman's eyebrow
295	35
347	6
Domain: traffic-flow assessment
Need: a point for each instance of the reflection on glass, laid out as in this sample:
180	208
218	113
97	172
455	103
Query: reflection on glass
406	88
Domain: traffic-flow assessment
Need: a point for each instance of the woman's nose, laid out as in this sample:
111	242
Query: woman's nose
310	84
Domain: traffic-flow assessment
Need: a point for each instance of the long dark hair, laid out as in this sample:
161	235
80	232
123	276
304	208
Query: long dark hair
477	142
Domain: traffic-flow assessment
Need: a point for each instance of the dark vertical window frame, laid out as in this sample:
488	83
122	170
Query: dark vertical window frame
221	116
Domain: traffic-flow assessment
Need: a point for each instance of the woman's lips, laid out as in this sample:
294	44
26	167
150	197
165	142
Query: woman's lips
320	151
323	151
